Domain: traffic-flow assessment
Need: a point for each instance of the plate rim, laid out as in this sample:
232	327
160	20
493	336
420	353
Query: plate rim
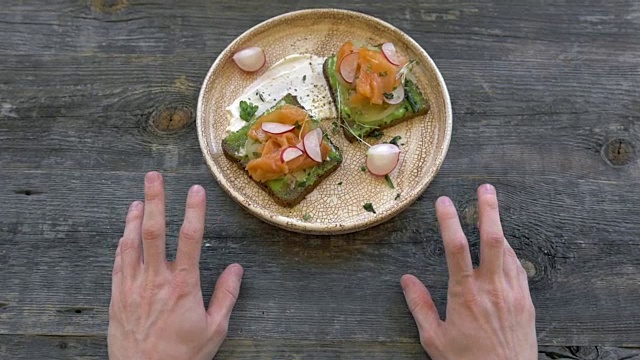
301	226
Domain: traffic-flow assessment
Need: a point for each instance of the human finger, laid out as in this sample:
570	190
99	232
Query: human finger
455	243
225	296
131	244
421	305
192	230
153	224
492	242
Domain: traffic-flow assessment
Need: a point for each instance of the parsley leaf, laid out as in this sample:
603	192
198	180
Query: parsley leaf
377	133
306	217
247	110
369	208
363	168
389	182
334	156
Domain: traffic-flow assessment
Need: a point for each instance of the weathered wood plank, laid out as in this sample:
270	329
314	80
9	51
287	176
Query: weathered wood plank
539	91
85	348
302	286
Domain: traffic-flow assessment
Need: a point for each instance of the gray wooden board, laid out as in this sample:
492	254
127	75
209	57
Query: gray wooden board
94	347
545	99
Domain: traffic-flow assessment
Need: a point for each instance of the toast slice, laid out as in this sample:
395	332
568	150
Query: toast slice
292	188
361	125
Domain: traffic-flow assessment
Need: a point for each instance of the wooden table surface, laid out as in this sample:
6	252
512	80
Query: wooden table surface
94	93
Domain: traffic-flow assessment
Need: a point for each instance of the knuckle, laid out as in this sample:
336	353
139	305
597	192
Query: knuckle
416	304
232	294
495	240
459	246
189	233
496	296
151	233
127	246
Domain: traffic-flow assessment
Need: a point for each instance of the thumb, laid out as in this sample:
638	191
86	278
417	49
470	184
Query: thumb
224	296
421	306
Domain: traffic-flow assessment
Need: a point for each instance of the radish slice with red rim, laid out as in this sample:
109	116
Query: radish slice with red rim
389	51
382	159
349	66
250	59
290	153
276	128
396	96
312	141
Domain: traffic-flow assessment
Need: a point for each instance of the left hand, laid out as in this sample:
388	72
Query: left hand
157	310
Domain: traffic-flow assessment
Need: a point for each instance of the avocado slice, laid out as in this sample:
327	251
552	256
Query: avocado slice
289	190
363	121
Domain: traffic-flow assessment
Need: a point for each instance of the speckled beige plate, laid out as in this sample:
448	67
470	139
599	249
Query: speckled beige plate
336	205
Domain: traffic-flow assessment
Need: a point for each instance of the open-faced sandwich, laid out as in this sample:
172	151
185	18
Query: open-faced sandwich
284	150
373	88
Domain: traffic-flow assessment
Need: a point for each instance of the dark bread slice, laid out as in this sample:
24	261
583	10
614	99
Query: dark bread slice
287	196
419	107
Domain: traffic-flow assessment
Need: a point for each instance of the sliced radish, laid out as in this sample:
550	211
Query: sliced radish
349	66
290	153
382	159
250	59
389	51
312	141
276	128
396	96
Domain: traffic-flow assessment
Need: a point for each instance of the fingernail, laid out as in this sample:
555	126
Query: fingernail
488	189
196	190
236	269
444	201
151	177
135	205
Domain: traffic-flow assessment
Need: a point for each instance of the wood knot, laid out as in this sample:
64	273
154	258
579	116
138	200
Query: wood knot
171	119
470	213
618	152
529	267
108	6
62	345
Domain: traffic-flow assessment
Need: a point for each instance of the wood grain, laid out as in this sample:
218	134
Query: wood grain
546	107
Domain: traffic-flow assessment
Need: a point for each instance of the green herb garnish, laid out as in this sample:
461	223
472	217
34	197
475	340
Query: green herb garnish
395	140
377	133
369	208
363	168
306	217
301	184
389	182
335	156
247	110
340	183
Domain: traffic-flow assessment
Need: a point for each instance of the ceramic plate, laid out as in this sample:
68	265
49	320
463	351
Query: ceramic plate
336	205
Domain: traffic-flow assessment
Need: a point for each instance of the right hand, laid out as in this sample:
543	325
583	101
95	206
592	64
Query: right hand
490	314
